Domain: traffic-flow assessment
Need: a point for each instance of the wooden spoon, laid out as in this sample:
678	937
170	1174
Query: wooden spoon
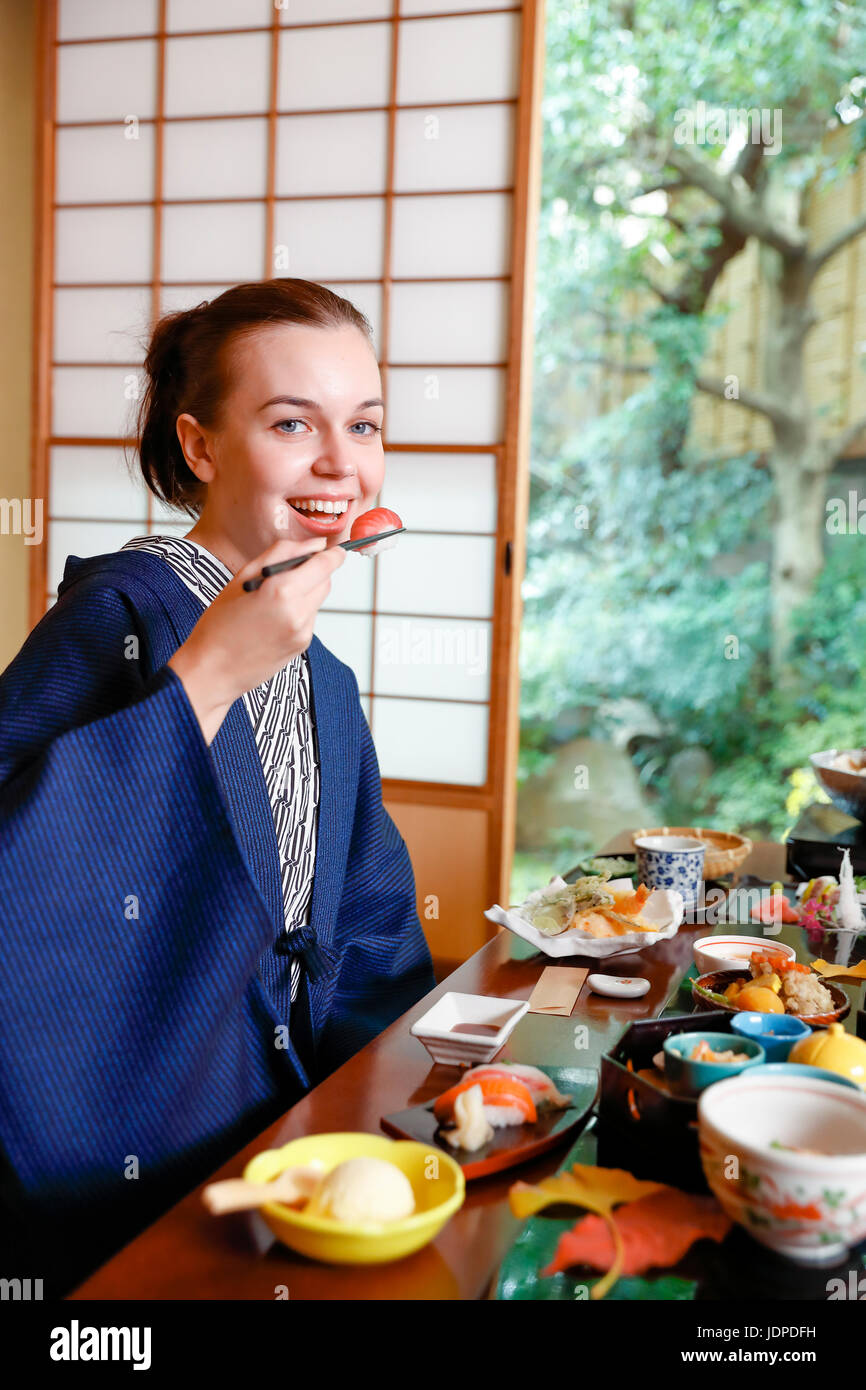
236	1194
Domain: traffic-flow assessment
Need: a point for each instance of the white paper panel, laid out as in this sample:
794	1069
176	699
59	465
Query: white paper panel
431	741
174	297
467	234
205	76
218	14
216	159
349	636
106	81
169	518
179	528
108	325
352	585
366	702
334	67
213	242
442	492
103	244
334	238
332	154
94	401
83	538
463	59
459	322
96	483
100	164
454	147
367	298
98	19
436	657
320	11
446	405
440	575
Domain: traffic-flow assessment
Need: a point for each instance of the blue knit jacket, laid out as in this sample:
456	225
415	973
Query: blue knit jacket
146	1029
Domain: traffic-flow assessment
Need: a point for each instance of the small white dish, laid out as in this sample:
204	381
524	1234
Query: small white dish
724	952
619	986
664	906
435	1029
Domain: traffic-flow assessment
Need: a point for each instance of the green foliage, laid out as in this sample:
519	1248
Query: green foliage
645	556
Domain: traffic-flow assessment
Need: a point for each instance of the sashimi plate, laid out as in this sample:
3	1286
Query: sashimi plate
514	1144
664	906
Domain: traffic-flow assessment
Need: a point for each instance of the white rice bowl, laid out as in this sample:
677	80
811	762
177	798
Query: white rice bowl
664	907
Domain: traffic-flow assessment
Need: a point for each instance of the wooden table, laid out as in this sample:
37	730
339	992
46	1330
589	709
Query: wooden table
188	1254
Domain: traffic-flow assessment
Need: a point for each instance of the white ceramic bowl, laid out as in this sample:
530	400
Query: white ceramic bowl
809	1207
663	906
435	1028
725	952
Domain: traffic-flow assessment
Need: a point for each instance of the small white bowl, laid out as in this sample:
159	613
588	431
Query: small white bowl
786	1158
464	1049
723	952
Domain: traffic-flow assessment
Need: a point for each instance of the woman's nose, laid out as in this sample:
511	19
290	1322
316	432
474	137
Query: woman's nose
334	462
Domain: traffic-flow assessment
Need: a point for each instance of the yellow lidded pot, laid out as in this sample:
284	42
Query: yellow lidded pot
834	1050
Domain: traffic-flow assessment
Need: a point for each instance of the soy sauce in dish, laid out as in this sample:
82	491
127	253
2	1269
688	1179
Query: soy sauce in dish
486	1030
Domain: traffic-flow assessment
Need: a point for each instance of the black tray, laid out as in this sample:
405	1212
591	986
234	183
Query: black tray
653	1134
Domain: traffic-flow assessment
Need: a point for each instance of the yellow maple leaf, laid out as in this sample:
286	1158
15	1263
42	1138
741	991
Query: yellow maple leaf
840	972
595	1189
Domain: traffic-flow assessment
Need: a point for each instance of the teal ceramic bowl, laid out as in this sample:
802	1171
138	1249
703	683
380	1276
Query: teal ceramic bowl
689	1078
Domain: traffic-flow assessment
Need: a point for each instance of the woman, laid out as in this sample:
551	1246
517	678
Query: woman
206	907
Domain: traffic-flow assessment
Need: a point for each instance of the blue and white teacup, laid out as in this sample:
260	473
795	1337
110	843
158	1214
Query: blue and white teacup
672	861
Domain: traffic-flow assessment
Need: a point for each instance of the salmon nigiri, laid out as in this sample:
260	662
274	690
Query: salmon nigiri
507	1101
470	1111
537	1082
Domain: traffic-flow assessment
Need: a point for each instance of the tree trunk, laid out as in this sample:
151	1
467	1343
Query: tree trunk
797	461
798	553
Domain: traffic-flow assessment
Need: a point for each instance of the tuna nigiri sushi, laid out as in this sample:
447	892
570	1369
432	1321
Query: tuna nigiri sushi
373	523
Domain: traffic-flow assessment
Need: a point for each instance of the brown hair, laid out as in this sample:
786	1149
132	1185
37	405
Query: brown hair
185	369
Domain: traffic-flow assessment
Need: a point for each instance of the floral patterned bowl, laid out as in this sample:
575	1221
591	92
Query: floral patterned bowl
786	1159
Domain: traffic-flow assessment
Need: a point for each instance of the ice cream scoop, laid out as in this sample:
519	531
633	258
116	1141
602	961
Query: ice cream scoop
362	1190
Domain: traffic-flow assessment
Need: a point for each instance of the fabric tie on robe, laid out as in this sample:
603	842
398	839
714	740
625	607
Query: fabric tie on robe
146	1028
318	960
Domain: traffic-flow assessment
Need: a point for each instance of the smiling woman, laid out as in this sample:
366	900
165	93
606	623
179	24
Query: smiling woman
230	910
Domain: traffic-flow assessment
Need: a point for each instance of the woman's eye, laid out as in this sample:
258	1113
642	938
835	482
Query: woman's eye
368	427
281	423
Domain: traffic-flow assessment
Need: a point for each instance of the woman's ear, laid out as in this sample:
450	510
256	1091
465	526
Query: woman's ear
196	450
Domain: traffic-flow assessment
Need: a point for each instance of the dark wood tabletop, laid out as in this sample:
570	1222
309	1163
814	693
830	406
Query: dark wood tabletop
188	1254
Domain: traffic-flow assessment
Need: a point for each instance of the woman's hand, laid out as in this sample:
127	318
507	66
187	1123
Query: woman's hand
244	637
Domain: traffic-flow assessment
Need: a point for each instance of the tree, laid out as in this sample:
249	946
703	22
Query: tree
664	156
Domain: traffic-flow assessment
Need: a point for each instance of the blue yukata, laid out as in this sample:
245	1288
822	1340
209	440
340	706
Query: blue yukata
147	1026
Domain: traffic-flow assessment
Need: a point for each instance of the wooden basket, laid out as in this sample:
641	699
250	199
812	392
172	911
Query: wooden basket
725	851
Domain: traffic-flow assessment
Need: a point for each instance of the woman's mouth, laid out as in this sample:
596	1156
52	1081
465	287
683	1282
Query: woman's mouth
321	515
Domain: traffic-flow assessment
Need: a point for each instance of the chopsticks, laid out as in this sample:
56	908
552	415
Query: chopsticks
250	584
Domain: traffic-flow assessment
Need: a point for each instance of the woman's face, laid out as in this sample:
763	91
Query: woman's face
298	449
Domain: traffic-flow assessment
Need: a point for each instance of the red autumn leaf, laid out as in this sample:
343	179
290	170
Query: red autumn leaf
656	1231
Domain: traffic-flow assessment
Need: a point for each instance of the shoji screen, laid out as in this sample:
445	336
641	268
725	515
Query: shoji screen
386	148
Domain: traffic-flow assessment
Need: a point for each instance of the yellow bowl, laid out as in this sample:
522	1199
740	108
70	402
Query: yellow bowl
437	1181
